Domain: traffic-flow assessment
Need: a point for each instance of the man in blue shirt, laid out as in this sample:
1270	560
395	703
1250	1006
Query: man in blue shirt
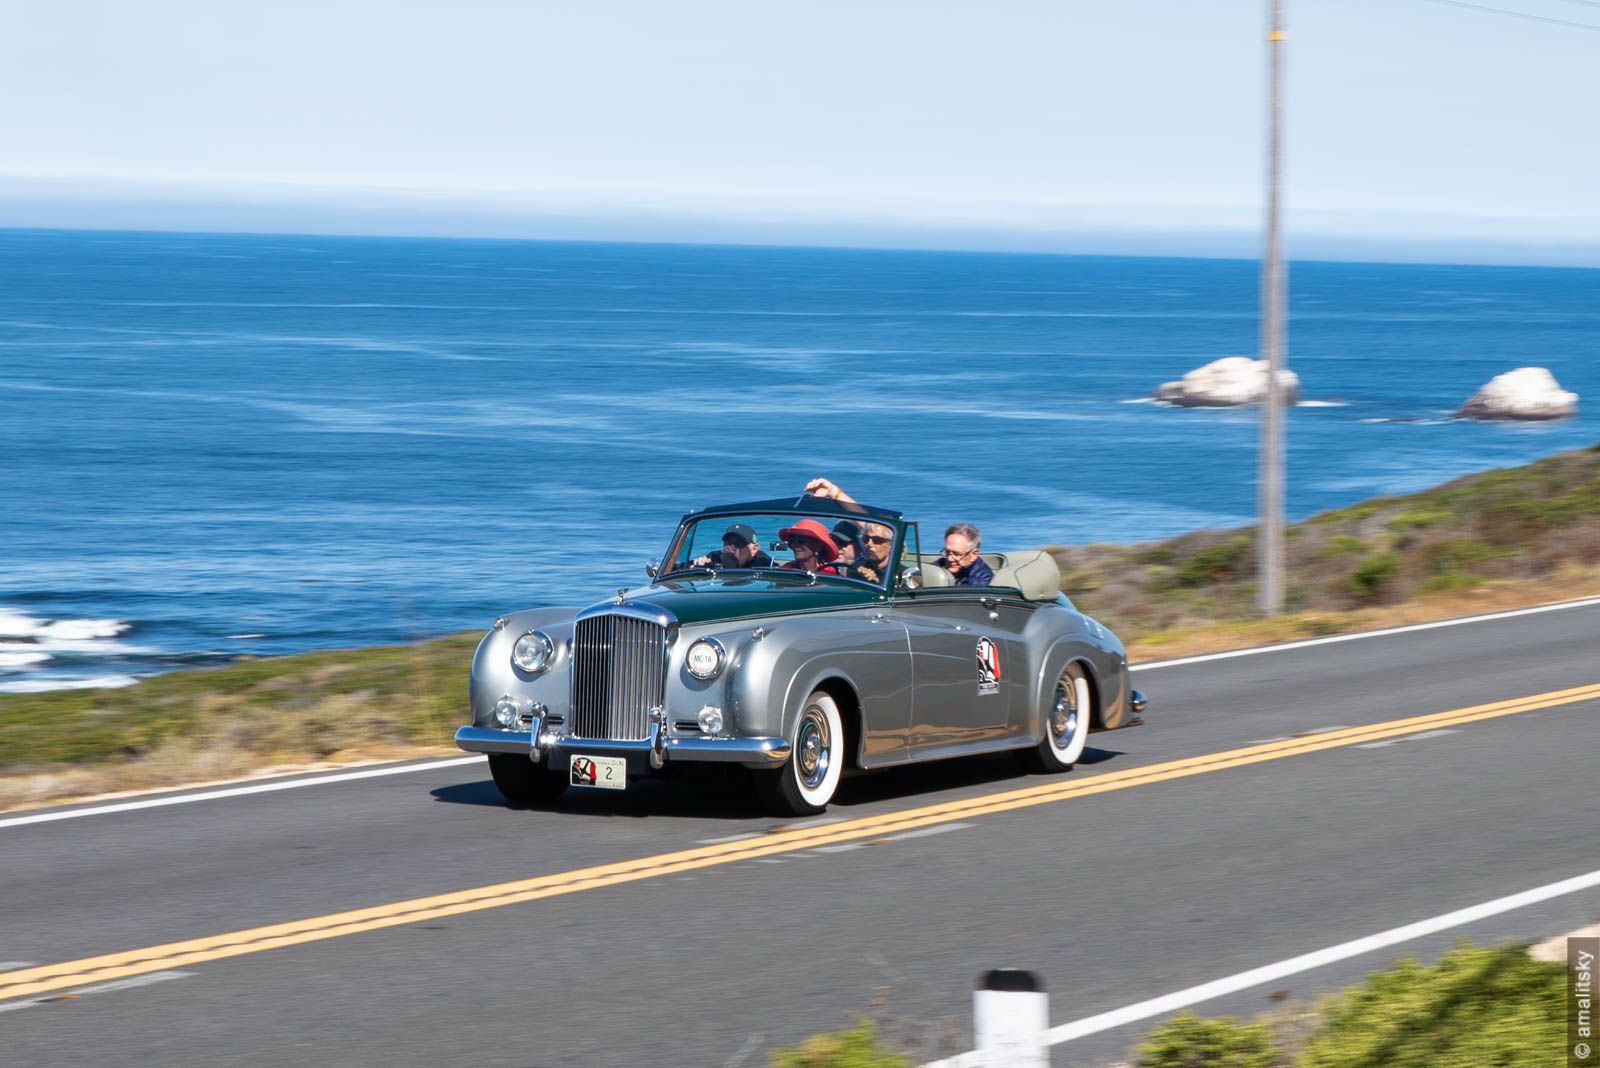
961	541
961	559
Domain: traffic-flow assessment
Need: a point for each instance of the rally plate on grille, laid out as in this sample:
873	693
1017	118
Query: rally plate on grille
605	773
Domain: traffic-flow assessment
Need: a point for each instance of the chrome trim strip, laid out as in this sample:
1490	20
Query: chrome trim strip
713	750
490	740
648	612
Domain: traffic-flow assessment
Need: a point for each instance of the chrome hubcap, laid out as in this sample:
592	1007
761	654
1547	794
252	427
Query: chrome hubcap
812	749
1064	716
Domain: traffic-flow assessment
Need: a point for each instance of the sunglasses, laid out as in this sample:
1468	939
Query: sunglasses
877	539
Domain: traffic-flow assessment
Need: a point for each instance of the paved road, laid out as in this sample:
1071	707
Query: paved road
1114	896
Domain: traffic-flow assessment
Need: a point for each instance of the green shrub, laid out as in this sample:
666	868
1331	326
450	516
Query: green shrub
1216	563
1342	545
1476	1008
1372	575
859	1047
1187	1041
1419	519
1458	554
1451	580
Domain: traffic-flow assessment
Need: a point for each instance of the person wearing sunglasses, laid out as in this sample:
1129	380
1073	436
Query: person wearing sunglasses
812	546
961	543
961	559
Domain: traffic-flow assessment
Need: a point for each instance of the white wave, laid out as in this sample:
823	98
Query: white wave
16	625
1144	400
1323	404
1414	421
93	682
77	630
21	660
244	637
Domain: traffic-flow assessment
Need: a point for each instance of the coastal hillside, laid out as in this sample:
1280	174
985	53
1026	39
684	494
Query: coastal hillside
1497	539
1533	530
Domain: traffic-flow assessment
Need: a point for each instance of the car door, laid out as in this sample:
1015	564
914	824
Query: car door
967	664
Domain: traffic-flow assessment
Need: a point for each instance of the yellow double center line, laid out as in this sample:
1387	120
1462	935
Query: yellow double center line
25	982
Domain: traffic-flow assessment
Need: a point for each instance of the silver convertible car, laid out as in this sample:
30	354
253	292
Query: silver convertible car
795	665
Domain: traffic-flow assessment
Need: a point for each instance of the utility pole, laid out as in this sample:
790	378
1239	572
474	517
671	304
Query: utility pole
1269	490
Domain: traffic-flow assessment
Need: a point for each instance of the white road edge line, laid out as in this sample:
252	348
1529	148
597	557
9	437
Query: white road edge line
1182	999
1410	738
233	791
98	988
1282	647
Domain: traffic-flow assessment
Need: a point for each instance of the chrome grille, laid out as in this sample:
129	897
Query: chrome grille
619	673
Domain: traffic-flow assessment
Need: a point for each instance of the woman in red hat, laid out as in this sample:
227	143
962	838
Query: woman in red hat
814	550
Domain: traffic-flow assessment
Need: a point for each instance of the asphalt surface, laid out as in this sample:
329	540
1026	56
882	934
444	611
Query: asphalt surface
1113	898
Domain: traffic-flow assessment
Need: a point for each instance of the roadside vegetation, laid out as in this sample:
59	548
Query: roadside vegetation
193	726
1499	539
1474	1008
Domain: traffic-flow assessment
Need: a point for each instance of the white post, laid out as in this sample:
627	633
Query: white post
1010	1014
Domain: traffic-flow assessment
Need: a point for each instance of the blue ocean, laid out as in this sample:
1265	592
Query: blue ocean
218	445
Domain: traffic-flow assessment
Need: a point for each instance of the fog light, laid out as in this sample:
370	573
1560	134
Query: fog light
711	719
505	712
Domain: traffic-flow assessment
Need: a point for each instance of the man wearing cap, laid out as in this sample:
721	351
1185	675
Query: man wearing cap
739	549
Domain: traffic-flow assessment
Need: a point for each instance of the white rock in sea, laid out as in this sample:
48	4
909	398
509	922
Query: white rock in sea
1227	383
1526	393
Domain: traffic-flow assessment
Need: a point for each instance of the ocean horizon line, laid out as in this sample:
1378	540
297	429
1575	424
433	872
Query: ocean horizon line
784	245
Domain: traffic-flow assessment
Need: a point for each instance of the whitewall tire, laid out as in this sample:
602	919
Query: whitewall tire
1066	723
806	782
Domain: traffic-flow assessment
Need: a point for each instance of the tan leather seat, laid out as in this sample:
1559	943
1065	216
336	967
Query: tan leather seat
932	574
1034	572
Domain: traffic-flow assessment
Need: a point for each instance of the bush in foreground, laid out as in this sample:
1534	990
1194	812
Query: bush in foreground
1475	1008
859	1047
1187	1041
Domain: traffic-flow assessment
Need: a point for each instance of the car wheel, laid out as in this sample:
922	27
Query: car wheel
1066	724
521	780
807	780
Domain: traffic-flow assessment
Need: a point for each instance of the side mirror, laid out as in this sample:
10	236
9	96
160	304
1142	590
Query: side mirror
653	568
911	578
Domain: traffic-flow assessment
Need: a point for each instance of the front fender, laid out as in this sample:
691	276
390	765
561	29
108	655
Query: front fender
869	653
494	676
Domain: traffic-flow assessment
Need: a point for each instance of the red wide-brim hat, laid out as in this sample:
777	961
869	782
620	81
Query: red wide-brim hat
816	531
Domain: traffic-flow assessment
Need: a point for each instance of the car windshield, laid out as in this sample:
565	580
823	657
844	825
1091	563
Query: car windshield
823	545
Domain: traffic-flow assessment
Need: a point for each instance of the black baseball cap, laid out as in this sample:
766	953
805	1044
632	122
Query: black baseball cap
743	531
846	531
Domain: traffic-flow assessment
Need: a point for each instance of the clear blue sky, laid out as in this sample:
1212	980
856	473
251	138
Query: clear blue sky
1415	128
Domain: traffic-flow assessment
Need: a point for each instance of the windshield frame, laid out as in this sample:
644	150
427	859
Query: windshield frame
885	584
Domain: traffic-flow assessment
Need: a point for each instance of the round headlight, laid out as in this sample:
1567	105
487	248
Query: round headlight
533	652
704	659
505	711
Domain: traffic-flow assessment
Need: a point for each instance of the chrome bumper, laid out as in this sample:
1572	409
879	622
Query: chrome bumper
757	752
